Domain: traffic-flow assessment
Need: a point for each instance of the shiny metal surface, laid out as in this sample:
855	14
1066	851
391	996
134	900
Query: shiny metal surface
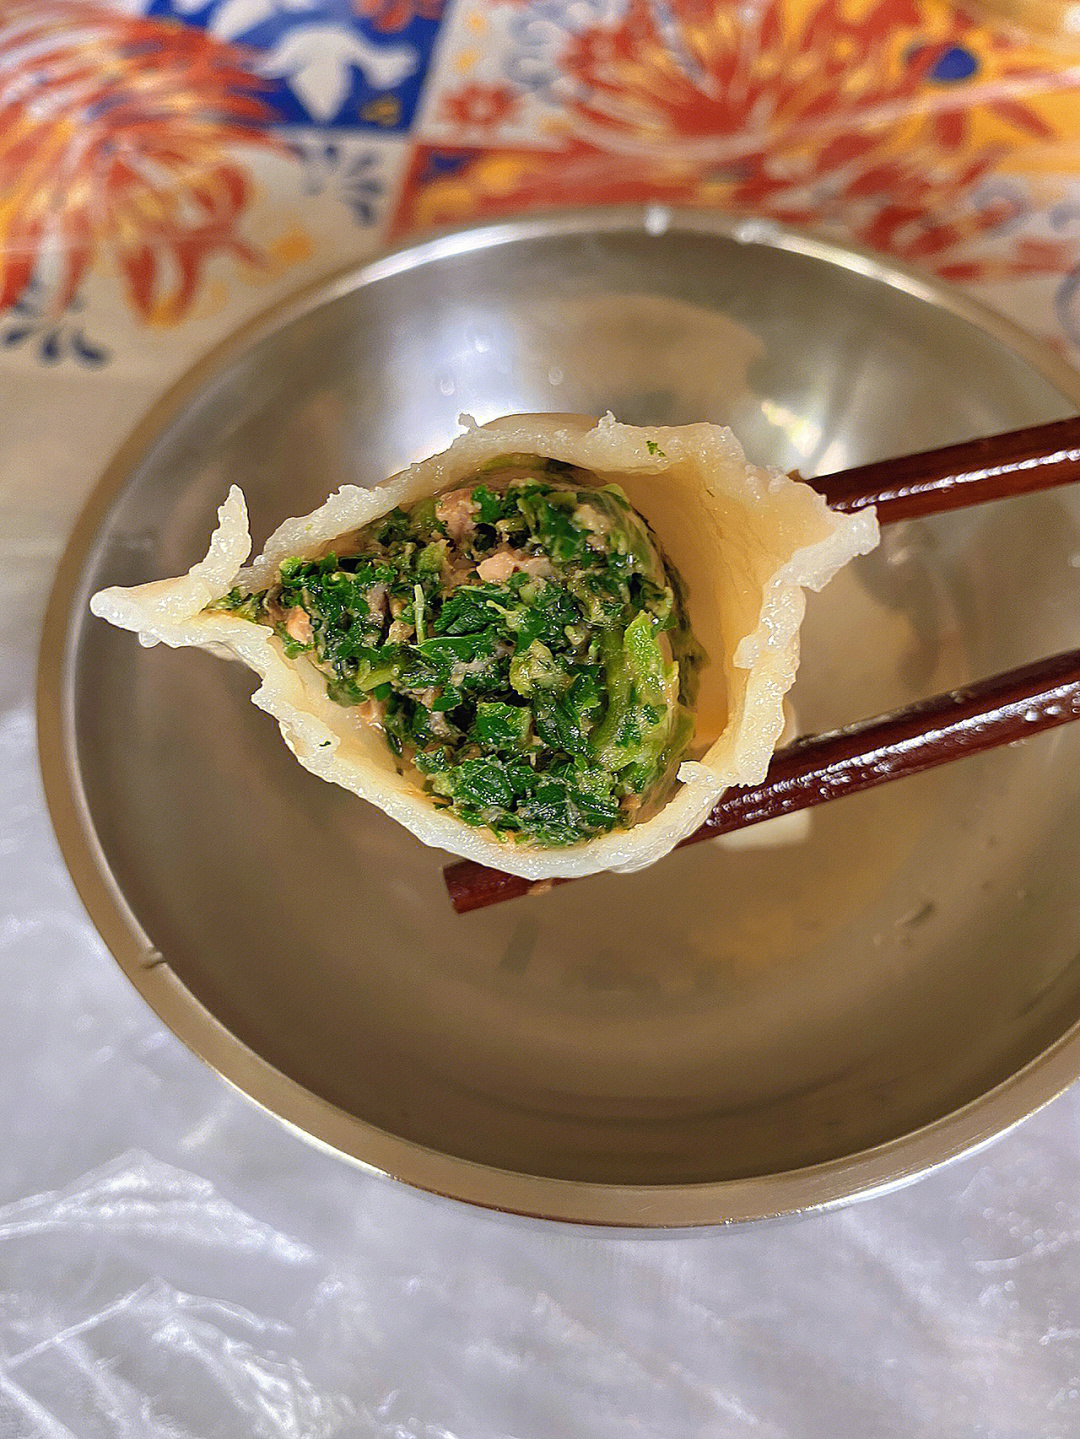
740	1031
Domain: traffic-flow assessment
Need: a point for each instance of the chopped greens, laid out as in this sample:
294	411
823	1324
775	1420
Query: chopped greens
520	640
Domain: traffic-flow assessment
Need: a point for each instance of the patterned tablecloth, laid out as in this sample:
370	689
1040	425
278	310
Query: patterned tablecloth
172	1262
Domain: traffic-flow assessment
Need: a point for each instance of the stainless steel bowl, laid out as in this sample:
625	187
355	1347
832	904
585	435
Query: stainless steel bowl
738	1032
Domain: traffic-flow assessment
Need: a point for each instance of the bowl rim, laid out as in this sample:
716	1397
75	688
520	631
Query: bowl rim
679	1206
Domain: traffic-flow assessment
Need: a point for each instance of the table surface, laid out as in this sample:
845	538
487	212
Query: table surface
173	1262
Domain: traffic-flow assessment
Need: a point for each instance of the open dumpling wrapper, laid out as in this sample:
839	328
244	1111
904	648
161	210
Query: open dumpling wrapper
745	540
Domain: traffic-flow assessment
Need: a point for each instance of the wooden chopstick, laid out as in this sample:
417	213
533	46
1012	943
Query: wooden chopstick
913	486
996	711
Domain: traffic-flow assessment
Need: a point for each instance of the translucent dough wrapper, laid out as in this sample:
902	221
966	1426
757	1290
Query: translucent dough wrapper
746	541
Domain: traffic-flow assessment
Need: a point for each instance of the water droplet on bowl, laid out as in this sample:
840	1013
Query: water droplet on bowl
657	219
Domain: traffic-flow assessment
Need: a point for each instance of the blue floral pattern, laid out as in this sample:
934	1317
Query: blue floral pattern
30	325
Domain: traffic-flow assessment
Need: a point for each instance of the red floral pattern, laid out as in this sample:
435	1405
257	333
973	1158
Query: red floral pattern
845	118
762	80
115	135
899	123
479	107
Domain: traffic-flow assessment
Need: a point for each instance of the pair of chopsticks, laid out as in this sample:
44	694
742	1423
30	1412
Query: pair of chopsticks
996	711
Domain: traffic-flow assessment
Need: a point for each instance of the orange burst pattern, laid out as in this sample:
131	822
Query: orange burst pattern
751	73
115	135
837	114
832	116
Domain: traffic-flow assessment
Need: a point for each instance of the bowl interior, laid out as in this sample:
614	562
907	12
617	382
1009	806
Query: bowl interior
747	1007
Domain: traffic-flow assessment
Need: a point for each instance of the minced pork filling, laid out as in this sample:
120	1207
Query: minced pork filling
520	640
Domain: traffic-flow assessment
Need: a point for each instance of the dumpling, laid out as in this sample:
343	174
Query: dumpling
549	648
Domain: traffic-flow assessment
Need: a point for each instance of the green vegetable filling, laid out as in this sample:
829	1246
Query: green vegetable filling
521	641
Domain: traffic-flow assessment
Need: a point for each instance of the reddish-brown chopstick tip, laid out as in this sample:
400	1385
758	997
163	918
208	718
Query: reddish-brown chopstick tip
474	886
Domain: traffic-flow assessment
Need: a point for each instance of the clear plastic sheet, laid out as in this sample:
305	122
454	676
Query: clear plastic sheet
176	1264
